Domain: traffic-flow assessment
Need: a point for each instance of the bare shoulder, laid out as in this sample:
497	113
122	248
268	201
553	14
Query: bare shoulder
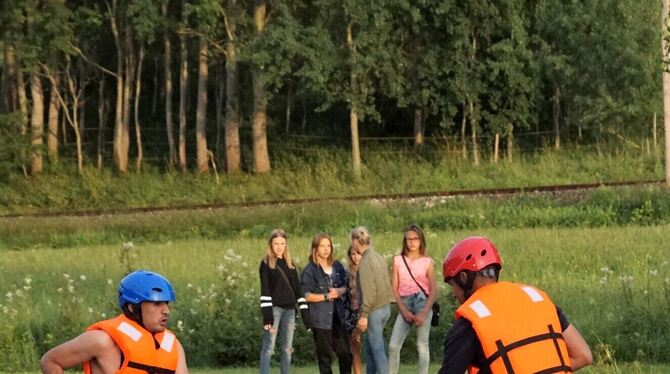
90	345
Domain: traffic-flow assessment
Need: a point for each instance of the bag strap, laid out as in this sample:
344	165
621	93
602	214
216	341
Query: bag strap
287	281
411	275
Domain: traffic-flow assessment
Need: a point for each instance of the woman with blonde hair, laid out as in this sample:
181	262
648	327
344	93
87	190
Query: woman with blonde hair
280	293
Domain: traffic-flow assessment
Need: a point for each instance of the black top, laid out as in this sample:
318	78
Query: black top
462	347
276	291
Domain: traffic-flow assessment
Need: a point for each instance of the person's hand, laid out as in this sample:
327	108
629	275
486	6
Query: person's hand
407	315
356	334
420	318
363	324
333	294
269	328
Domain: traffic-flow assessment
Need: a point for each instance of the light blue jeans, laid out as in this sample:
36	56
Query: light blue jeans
414	303
284	325
375	350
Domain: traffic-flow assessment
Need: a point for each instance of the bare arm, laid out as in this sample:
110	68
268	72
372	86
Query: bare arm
432	296
181	364
578	349
85	347
395	283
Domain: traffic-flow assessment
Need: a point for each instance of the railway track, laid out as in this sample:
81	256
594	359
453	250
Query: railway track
556	189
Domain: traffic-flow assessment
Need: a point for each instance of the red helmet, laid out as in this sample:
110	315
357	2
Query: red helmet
473	253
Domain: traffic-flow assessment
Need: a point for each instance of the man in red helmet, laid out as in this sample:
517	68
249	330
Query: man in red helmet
504	327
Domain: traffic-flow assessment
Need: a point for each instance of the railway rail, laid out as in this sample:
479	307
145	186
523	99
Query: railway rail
557	189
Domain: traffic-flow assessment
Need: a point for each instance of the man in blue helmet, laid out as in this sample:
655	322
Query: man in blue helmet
136	341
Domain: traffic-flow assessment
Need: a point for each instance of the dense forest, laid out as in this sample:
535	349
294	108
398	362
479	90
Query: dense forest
188	84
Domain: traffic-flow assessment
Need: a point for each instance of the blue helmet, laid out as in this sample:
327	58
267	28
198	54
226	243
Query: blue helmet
143	285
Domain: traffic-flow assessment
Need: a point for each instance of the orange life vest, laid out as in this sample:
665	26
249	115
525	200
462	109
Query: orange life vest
518	328
140	354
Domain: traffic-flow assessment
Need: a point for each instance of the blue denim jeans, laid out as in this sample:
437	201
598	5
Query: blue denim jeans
375	350
284	325
414	303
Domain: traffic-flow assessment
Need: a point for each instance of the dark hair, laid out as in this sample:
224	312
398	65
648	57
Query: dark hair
422	239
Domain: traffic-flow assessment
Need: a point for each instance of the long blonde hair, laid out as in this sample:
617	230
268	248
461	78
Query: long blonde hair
270	259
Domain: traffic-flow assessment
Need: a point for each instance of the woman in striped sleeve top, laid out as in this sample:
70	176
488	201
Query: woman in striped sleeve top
280	293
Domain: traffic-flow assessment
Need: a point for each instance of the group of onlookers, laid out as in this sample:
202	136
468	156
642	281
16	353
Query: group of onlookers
500	327
339	304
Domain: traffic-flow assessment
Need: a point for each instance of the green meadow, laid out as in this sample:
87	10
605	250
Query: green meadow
613	283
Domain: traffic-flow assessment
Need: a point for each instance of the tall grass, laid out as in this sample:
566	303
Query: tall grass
601	208
318	172
613	284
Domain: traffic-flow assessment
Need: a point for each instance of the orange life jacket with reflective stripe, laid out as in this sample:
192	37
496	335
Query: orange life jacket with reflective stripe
142	351
518	328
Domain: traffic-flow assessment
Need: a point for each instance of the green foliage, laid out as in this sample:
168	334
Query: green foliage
13	146
612	283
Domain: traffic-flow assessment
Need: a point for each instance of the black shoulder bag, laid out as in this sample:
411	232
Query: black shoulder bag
436	307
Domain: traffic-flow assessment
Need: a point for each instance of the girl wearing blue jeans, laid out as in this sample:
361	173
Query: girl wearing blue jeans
280	292
412	272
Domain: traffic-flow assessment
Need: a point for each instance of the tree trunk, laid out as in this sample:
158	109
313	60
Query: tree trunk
128	87
353	111
10	88
120	125
138	126
418	126
219	94
232	120
557	117
183	92
82	104
289	106
666	87
168	92
464	142
510	143
102	109
496	144
201	109
473	125
36	122
54	110
259	125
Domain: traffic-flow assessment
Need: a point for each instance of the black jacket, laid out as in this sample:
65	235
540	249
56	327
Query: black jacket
280	291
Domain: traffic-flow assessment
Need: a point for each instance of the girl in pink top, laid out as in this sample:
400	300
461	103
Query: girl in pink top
413	304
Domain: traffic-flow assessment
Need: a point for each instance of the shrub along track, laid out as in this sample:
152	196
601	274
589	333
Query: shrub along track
556	190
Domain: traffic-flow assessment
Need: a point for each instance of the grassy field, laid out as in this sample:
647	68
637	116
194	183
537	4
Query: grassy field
604	207
325	171
613	283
